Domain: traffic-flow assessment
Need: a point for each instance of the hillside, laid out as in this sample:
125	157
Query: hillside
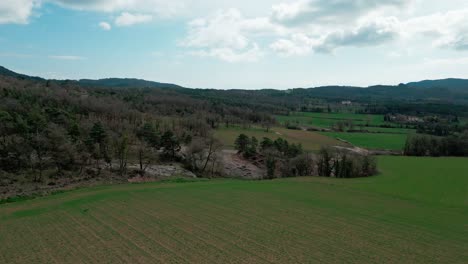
461	84
444	91
8	73
125	83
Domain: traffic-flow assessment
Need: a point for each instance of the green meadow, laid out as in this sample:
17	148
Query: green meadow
414	211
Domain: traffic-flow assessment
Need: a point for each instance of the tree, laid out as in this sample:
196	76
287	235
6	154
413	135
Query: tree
149	134
36	127
242	143
98	134
270	163
202	153
369	166
170	145
62	151
294	150
303	165
39	144
148	142
281	145
6	130
266	144
324	163
214	146
74	132
121	152
251	148
98	145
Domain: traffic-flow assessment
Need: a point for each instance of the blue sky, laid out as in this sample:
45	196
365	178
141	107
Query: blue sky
237	44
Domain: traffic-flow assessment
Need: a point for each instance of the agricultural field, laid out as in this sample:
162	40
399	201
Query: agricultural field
372	140
414	212
310	141
327	120
392	138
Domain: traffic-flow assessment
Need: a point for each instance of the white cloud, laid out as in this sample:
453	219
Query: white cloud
162	8
67	57
328	11
105	26
16	11
297	28
221	30
291	28
252	54
446	30
226	35
298	45
370	33
128	19
367	33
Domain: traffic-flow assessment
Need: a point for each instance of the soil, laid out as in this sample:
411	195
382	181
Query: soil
236	166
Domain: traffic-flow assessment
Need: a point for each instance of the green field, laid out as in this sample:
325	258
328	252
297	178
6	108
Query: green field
310	141
393	138
414	212
372	140
327	120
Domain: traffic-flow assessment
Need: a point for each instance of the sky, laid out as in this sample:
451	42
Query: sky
240	44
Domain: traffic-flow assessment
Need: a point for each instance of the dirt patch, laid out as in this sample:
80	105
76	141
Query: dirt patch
160	172
363	151
237	167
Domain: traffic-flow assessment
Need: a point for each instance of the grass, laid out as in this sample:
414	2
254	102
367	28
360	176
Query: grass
414	212
392	138
327	120
310	141
372	140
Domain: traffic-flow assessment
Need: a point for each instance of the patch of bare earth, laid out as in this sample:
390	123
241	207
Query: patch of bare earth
160	172
237	167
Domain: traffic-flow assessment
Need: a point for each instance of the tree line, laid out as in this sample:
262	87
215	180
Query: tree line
426	145
282	159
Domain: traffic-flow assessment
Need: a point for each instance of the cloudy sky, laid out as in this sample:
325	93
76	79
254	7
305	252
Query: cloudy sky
237	44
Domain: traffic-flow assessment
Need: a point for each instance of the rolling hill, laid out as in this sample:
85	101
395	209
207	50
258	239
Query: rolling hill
452	91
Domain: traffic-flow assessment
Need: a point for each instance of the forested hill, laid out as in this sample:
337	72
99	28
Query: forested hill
431	91
126	83
447	91
452	83
8	73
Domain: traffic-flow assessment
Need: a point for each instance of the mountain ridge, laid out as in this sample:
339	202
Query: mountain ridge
450	90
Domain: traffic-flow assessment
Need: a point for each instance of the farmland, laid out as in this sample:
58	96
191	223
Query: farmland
391	137
372	140
310	141
414	212
326	120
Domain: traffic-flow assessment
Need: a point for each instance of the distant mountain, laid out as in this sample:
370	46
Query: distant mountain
126	83
6	72
110	82
444	83
447	90
410	92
